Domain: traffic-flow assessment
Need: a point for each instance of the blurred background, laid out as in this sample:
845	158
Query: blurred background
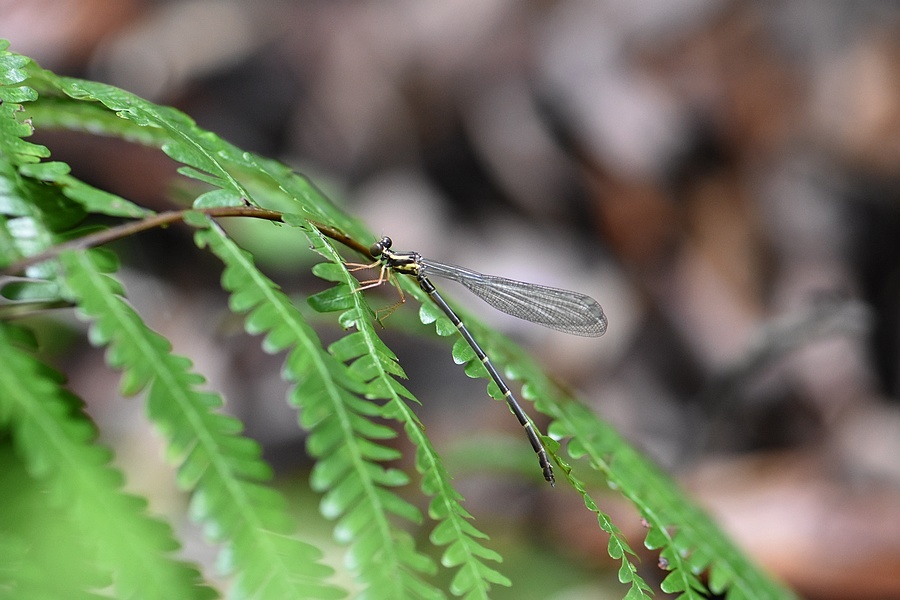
723	176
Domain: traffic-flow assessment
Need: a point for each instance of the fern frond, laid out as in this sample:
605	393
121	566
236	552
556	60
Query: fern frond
342	437
12	130
340	391
57	443
691	547
691	544
89	198
54	112
13	93
223	469
371	360
24	558
178	135
36	532
32	211
617	547
695	547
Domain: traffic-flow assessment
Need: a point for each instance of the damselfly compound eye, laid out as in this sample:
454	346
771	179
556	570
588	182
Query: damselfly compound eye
380	246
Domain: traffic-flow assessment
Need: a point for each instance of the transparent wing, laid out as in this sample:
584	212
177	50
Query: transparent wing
563	310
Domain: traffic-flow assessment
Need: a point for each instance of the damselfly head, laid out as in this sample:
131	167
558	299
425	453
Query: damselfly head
380	246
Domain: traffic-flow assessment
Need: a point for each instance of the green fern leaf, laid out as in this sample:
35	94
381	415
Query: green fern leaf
185	142
340	390
35	533
696	545
617	547
223	469
12	126
90	199
631	474
342	436
11	65
54	112
57	444
377	365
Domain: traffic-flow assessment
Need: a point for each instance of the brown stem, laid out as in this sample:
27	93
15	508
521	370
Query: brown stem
121	231
339	236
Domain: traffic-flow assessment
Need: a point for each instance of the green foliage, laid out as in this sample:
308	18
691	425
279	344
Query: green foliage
336	411
221	469
56	443
347	394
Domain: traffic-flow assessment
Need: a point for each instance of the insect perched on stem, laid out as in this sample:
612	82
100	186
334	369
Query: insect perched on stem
563	310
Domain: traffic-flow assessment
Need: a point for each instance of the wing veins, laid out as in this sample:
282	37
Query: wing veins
564	310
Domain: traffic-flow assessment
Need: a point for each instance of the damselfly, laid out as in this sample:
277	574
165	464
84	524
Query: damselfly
563	310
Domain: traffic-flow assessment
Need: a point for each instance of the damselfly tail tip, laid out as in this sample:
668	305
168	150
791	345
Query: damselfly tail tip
548	475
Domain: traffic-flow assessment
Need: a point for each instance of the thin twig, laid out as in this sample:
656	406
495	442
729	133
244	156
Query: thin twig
339	236
127	229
